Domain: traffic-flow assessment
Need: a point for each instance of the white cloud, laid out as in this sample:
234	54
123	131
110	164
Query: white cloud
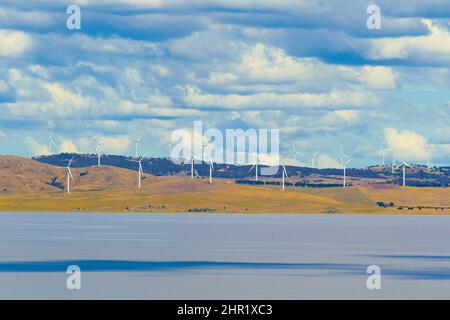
270	65
36	148
406	145
437	42
115	144
326	161
377	78
14	43
331	100
350	116
67	145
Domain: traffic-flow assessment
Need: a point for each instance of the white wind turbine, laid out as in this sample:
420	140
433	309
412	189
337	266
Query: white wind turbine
97	150
404	165
255	165
344	159
284	174
313	157
393	164
383	154
211	168
430	149
136	142
191	161
205	143
69	174
295	152
51	143
140	170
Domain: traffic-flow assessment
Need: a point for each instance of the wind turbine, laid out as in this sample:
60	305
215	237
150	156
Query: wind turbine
137	145
393	164
344	160
69	174
284	173
383	154
191	161
429	149
313	156
211	168
205	143
295	152
404	165
255	165
140	170
51	143
97	150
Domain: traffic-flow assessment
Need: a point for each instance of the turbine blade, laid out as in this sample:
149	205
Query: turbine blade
284	169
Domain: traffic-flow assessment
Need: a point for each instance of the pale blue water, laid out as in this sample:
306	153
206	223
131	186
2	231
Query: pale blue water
207	256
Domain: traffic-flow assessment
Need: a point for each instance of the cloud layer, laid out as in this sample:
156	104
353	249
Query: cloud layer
309	68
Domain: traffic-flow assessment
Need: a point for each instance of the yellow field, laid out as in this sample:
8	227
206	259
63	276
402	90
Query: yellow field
181	194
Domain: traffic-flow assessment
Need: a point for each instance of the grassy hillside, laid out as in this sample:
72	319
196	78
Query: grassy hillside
20	175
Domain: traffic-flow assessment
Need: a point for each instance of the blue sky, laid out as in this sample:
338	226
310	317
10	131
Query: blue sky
309	68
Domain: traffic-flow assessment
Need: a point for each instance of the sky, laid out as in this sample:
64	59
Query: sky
310	68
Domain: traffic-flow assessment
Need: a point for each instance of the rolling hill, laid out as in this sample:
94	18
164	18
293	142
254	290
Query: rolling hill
21	175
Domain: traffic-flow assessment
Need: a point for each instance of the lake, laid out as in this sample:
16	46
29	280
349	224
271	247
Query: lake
223	256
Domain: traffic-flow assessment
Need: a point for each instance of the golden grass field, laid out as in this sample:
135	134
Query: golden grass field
108	189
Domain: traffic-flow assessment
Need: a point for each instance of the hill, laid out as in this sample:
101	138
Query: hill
21	175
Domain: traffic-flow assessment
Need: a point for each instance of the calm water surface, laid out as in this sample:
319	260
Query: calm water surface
184	256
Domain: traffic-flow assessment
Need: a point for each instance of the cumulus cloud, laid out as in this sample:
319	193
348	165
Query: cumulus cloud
331	100
67	145
248	64
35	148
115	144
324	160
406	145
437	42
14	43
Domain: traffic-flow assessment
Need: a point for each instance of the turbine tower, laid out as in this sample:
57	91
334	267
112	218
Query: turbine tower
344	159
211	168
255	165
404	165
97	150
313	157
69	174
295	152
51	143
140	170
205	143
383	154
191	161
393	164
284	174
137	145
429	149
